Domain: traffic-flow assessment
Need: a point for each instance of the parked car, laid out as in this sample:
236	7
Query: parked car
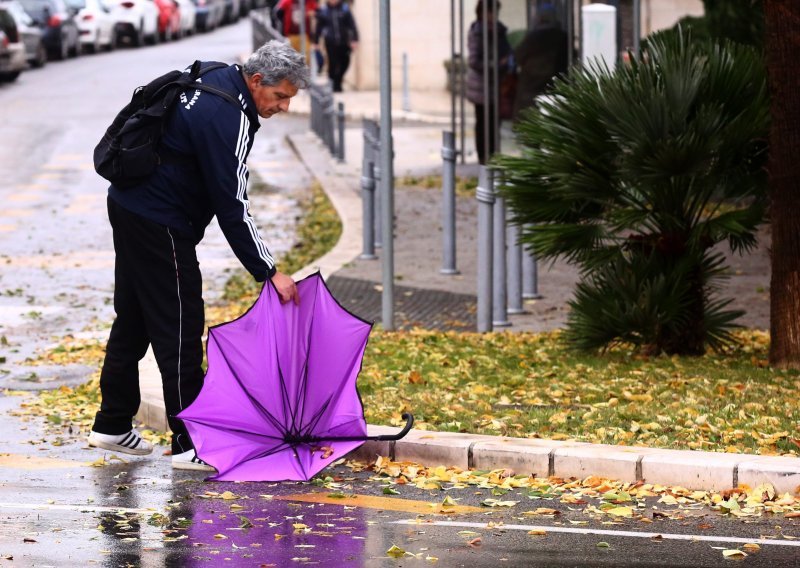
58	25
29	33
169	19
188	17
136	19
209	14
12	52
97	27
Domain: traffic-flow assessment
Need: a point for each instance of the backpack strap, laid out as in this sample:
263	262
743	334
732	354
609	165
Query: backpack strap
219	92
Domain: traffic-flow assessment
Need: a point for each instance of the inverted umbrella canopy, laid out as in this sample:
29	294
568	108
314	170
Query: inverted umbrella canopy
279	401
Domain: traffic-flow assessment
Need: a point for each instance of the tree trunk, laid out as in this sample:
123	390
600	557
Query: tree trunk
782	47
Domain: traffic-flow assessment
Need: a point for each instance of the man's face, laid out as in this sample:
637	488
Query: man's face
270	100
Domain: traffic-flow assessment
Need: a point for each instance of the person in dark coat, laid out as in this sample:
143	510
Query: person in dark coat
337	28
157	225
476	74
541	56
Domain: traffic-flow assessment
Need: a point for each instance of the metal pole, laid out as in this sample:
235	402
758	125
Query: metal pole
462	79
495	63
303	46
514	270
500	295
406	96
580	31
485	195
486	81
453	69
637	26
570	31
340	125
449	203
387	166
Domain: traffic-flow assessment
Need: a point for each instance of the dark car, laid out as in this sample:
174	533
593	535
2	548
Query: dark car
30	34
59	28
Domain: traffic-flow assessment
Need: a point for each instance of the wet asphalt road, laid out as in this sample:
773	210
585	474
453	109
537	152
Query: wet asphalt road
58	510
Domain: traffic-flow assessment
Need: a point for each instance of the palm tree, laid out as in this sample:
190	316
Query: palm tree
635	176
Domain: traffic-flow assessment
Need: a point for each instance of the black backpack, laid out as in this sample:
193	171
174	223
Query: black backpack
129	151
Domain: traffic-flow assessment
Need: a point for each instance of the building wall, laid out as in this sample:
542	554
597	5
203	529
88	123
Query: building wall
421	29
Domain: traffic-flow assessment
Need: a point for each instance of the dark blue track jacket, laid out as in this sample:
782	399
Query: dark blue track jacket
204	172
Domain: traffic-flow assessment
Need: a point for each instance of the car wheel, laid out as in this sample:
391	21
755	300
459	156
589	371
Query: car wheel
9	76
138	39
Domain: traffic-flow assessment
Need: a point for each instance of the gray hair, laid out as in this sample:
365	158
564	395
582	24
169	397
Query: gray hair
276	61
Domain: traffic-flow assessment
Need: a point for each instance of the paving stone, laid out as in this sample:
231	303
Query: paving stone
614	462
710	471
782	472
521	455
437	448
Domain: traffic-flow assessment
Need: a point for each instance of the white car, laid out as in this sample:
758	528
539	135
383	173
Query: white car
188	17
136	19
96	26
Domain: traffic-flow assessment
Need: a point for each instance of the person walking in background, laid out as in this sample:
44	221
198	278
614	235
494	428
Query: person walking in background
288	13
477	75
541	56
337	28
157	225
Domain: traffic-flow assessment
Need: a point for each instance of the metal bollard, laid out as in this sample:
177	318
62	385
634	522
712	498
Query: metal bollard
340	118
486	200
330	119
514	270
530	276
448	204
500	295
376	152
368	210
406	98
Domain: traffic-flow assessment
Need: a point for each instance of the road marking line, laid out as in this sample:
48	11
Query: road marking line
382	503
602	532
80	508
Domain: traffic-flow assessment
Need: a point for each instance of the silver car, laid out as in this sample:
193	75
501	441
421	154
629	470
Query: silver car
29	32
12	52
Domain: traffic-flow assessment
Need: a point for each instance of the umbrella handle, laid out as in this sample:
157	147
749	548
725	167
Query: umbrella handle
409	418
294	440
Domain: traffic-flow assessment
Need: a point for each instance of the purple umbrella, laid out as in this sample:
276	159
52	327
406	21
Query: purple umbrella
279	401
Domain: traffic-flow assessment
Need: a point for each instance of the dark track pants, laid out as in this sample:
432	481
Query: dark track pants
338	63
158	301
480	133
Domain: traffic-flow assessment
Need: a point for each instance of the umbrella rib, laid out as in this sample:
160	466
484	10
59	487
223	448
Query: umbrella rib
287	405
304	380
316	418
221	428
259	407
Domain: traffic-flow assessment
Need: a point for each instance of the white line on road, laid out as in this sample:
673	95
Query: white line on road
80	508
602	532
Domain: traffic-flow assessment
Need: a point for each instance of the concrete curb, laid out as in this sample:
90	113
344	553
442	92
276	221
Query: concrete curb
693	470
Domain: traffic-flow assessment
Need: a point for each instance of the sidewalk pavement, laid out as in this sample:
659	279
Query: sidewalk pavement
426	298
